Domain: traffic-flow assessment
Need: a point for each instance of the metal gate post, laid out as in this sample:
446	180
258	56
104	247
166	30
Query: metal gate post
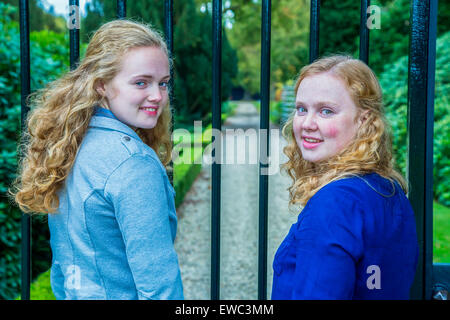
422	61
216	152
264	148
121	9
314	30
364	33
25	91
74	34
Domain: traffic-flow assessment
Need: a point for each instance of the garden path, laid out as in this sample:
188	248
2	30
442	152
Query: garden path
239	220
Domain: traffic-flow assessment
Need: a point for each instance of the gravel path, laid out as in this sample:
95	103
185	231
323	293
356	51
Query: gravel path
239	222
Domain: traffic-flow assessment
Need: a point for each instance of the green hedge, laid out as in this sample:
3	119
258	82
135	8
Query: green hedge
49	58
394	82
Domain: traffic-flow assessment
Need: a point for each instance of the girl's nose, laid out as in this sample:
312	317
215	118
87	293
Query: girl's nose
309	122
154	94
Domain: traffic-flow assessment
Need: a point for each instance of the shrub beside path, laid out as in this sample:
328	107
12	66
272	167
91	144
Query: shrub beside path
239	222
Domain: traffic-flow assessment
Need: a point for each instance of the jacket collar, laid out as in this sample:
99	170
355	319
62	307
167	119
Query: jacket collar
103	122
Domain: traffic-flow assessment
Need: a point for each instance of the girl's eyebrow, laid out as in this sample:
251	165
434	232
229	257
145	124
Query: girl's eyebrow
148	76
320	103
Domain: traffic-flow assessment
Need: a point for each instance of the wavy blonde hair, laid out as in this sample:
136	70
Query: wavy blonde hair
61	112
371	149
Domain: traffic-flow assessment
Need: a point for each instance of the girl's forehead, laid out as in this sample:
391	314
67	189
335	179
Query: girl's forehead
316	87
145	60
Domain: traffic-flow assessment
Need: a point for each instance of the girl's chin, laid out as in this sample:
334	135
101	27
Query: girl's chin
312	156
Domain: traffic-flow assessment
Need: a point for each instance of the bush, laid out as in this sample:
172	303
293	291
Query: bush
49	58
394	82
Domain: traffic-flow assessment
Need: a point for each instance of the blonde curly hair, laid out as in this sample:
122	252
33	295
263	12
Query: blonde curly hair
371	149
60	114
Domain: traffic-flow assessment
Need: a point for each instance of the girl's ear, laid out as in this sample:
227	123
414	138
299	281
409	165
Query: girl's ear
100	88
363	117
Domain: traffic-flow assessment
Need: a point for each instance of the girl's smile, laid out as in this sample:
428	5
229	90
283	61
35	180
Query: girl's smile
310	143
150	110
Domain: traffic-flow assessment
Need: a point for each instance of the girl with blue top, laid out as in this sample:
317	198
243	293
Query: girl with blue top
355	237
96	148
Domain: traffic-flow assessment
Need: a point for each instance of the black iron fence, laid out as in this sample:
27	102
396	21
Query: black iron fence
422	58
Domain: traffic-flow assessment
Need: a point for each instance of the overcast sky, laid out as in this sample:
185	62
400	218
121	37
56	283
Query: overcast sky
62	6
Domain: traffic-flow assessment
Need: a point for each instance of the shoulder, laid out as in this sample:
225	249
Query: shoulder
344	192
338	202
360	189
114	147
353	198
139	173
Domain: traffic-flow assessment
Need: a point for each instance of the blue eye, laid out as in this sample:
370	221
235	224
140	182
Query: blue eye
326	112
164	84
140	83
301	109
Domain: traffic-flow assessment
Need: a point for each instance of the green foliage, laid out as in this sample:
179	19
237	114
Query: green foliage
184	177
289	40
9	122
395	89
339	29
49	52
441	236
339	26
39	18
390	42
193	56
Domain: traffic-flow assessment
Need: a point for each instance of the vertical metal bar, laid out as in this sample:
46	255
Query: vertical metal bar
264	148
168	24
314	30
121	9
216	153
168	30
364	33
74	34
25	91
421	80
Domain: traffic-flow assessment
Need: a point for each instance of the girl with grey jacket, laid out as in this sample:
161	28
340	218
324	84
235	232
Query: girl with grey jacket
97	144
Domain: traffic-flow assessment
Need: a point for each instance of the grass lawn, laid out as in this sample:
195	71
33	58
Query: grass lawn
441	233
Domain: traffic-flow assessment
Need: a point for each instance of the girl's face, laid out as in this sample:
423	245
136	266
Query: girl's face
139	92
324	122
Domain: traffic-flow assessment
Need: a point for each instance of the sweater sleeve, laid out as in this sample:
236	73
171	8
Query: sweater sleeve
329	245
136	189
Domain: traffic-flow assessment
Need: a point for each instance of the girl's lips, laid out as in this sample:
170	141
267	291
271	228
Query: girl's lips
150	113
310	145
